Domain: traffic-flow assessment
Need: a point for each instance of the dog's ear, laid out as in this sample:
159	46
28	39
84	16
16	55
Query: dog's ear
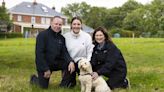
79	63
79	60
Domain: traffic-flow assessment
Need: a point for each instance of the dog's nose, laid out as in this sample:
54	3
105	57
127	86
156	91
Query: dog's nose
81	66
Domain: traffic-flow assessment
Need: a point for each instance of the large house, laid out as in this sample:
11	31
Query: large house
29	18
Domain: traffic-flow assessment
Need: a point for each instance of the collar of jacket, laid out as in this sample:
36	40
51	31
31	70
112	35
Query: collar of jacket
76	35
107	45
53	32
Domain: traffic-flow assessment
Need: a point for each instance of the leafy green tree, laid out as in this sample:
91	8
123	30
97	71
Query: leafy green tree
117	15
113	19
127	8
4	17
92	16
76	9
131	16
96	17
154	16
3	14
134	21
161	23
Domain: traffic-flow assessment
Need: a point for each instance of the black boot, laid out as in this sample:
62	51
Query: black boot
126	83
34	80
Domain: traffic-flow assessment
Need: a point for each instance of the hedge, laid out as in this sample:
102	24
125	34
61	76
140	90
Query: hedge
10	35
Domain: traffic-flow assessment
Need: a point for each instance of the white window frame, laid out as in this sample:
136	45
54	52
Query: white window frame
33	19
48	20
43	20
19	18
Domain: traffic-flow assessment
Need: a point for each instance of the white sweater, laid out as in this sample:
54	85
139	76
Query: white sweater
79	45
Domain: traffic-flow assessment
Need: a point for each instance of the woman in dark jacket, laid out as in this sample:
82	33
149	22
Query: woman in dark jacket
107	60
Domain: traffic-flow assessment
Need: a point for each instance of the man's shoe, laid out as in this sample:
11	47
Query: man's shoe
34	79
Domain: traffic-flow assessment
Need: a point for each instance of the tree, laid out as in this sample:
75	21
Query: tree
154	16
116	15
96	17
76	9
161	25
3	14
4	17
92	16
130	5
113	19
134	21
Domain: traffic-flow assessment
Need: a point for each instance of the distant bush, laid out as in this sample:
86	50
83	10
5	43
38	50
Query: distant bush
124	33
10	35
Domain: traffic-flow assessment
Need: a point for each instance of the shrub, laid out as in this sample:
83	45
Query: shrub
10	35
124	33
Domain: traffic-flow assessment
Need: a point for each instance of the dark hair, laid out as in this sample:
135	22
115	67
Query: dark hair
104	31
74	18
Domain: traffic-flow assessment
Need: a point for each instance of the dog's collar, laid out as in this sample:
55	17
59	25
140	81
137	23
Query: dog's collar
85	74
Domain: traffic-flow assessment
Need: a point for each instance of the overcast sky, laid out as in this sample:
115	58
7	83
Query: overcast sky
62	3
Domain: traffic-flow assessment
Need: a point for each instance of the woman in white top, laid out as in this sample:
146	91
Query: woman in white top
78	43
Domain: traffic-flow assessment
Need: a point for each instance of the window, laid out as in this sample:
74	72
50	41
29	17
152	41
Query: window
48	20
43	20
19	18
44	9
28	6
32	20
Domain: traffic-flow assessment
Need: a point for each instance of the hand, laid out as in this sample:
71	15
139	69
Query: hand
94	75
71	67
47	74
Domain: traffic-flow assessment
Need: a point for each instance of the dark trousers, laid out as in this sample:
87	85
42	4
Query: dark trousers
66	76
117	82
73	75
115	79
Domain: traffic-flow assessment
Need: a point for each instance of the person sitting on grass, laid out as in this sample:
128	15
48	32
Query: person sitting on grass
108	60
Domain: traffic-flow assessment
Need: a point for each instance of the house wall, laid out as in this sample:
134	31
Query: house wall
14	17
17	28
26	18
38	19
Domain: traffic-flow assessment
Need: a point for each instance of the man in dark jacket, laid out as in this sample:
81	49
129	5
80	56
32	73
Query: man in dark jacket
52	55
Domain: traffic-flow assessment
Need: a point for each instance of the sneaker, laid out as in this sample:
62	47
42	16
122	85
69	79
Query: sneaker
126	84
67	85
34	79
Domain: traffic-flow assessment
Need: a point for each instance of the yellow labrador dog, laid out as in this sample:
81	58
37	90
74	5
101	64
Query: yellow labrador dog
86	81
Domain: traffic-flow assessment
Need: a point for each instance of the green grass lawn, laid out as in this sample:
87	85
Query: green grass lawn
144	58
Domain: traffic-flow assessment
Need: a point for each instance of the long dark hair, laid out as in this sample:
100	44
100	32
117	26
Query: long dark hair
78	18
104	31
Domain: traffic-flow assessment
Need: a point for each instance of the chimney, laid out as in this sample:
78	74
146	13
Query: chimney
35	3
53	8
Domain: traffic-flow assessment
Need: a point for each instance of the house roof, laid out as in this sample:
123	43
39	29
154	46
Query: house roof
38	9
